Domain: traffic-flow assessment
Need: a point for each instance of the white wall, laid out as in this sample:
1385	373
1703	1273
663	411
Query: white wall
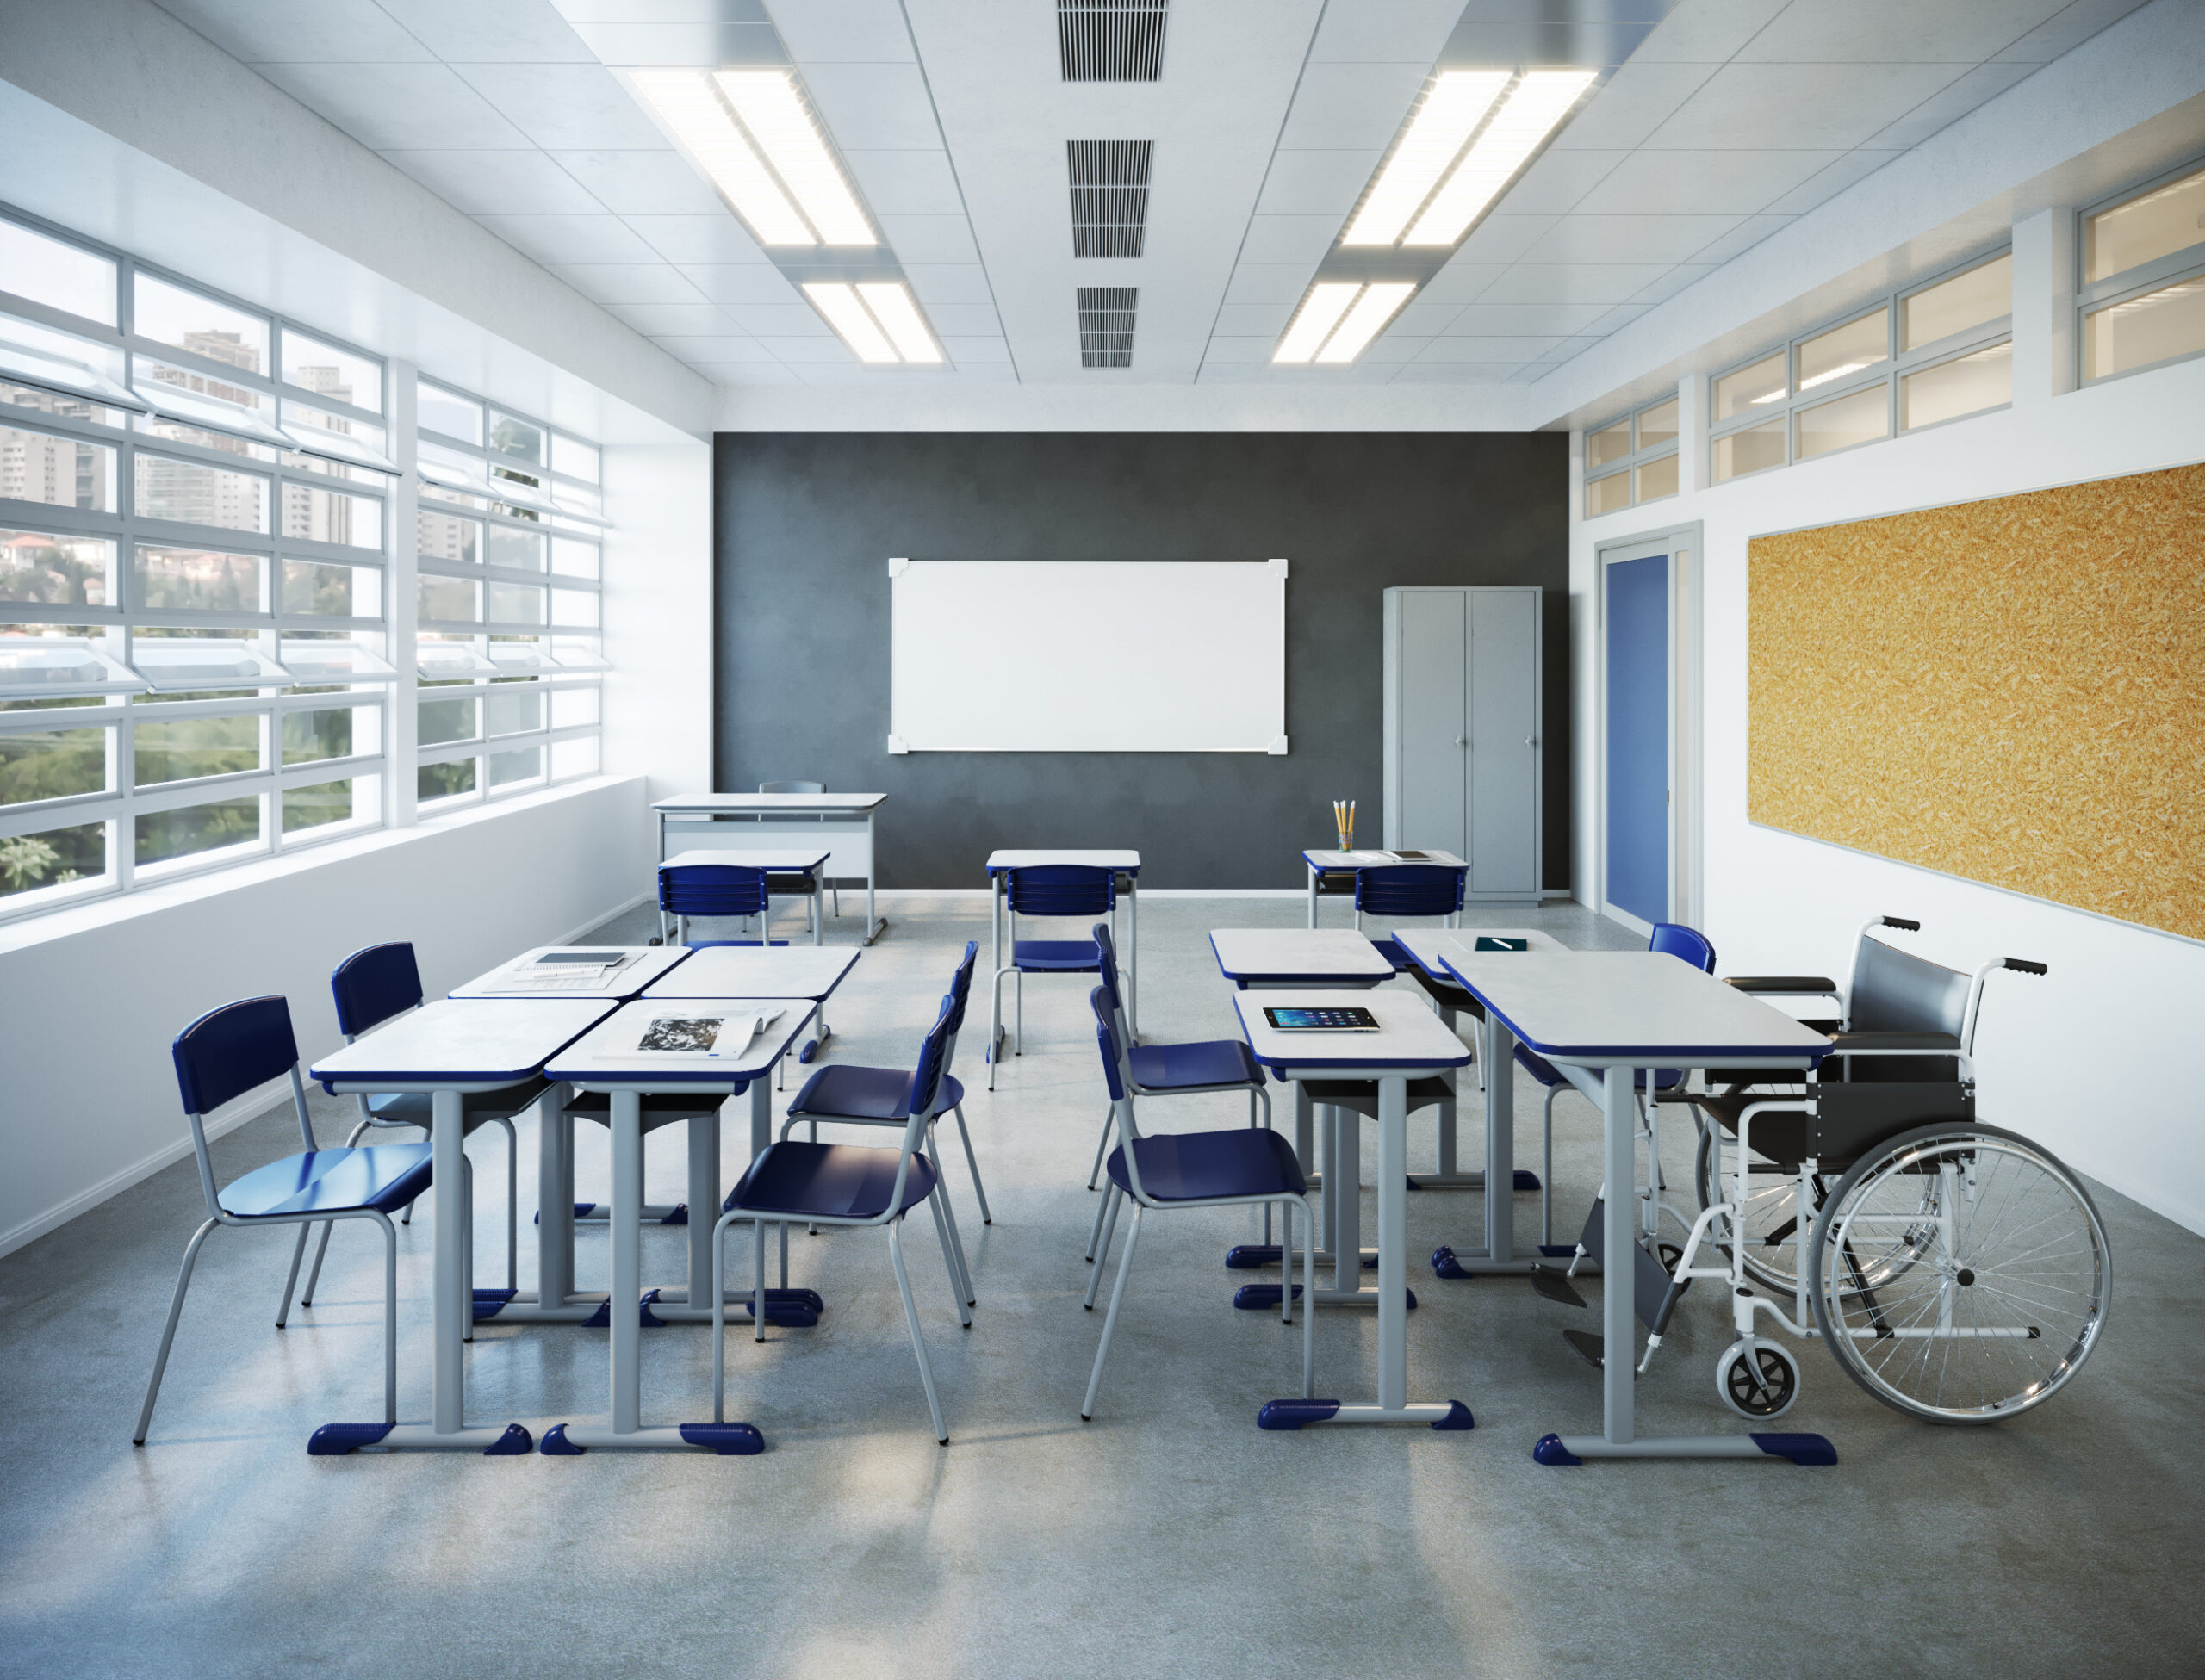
658	616
94	996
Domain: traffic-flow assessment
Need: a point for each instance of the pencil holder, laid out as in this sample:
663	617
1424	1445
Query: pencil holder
1344	846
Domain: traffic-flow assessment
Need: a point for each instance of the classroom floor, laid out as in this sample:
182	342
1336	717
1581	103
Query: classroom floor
1168	1536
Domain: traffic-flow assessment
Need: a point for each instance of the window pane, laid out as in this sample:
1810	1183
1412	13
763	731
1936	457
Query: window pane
1658	426
1844	350
56	274
363	443
2144	330
439	721
446	411
573	758
177	431
174	316
571	707
331	372
53	858
198	580
51	402
574	458
326	515
315	807
1955	304
515	604
52	765
1605	495
183	747
516	440
515	710
524	764
2171	219
573	559
1950	389
1747	451
339	732
197	828
191	494
440	536
1750	388
441	781
521	549
1608	444
1658	478
38	466
56	571
1859	419
346	592
451	600
574	606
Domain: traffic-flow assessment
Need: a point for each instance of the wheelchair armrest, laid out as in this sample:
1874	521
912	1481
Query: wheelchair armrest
1783	985
1878	1044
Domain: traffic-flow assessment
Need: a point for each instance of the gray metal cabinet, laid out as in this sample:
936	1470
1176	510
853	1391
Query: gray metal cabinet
1463	736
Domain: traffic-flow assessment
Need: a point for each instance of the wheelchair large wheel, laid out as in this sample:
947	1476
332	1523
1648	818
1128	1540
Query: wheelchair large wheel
1959	1273
1772	1233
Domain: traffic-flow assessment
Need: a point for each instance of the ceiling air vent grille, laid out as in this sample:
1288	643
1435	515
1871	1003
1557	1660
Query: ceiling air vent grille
1106	325
1111	40
1109	195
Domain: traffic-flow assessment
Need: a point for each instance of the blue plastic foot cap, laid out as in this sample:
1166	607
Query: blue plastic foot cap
810	1051
1251	1256
1259	1297
556	1446
1458	1417
1527	1181
1445	1265
516	1442
727	1439
335	1440
1799	1449
1551	1451
1293	1414
601	1319
680	1216
649	1320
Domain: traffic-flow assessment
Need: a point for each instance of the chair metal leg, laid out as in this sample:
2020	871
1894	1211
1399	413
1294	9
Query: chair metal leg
1309	1297
168	1331
512	1205
389	1318
1102	1144
314	1272
1110	1319
720	1317
467	1249
1018	1012
1546	1175
995	1025
952	1255
758	1281
1099	1251
291	1277
911	1319
971	1165
784	1228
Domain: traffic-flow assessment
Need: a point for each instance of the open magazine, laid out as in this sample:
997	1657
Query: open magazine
710	1037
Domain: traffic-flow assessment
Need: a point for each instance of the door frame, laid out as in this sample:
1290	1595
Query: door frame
1686	553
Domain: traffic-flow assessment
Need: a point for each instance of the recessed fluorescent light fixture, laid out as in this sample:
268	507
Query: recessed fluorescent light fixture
876	320
700	124
1372	311
772	165
1449	116
767	103
1319	313
1532	111
1338	320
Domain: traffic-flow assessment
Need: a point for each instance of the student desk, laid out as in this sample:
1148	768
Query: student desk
605	1060
1410	1044
1126	864
1321	863
748	821
805	860
1599	1016
448	1049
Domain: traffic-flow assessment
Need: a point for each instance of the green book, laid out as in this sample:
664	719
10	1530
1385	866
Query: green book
1500	942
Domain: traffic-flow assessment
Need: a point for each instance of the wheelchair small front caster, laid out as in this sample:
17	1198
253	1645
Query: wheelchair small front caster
1758	1378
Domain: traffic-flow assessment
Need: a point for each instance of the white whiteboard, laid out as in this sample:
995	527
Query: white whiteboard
1088	656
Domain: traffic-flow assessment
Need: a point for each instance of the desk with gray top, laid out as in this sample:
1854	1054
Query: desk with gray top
1599	1017
809	861
750	821
1321	863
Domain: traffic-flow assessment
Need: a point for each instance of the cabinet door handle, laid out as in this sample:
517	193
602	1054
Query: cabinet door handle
1460	741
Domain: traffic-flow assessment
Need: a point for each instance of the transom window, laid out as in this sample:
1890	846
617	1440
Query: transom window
1632	460
2142	302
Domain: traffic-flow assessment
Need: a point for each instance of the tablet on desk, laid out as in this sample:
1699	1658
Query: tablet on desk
1321	1021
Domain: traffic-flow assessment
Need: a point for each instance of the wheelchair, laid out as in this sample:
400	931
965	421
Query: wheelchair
1959	1273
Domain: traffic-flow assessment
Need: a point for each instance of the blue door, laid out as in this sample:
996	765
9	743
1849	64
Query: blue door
1637	667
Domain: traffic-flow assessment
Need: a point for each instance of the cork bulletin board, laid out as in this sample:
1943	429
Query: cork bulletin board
2010	691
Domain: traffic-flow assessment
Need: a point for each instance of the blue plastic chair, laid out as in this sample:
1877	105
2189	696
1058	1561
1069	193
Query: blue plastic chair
1239	1167
1400	890
223	1055
844	1184
370	986
713	890
1047	889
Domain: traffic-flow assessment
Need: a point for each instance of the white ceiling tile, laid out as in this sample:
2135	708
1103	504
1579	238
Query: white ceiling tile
659	183
738	282
1895	31
1587	238
1621	316
1289	238
846	31
566	107
1672	282
1400	31
1502	240
1950	103
1497	320
603	239
301	31
930	238
1394	345
1492	348
1317	183
1811	105
948	282
1422	317
687	320
1827	183
1352	107
1241	350
874	107
964	320
778	323
1253	320
1461	281
1451	373
912	182
701	348
707	44
1558	180
1632	104
1573	282
1708	32
491	31
2069	29
498	182
766	372
1668	183
699	239
1268	283
1744	237
398	106
823	346
631	282
967	352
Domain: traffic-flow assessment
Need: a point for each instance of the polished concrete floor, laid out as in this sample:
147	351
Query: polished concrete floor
1168	1536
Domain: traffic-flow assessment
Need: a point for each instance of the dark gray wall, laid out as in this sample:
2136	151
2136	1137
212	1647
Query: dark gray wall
805	524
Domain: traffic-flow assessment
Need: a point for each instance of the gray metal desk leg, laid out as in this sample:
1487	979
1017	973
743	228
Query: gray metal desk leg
1313	895
874	926
1498	1253
1133	957
554	1199
1619	1354
1344	1199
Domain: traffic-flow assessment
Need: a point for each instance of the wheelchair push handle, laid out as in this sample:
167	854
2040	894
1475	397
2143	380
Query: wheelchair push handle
2025	966
1903	924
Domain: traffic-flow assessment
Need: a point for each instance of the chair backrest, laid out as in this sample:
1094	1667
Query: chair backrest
1409	890
960	988
712	889
374	983
1114	1073
1061	890
1894	991
224	1054
1106	949
792	787
925	1088
1673	938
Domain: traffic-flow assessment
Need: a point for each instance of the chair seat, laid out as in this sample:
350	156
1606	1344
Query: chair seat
827	1181
1203	1166
1055	956
1214	1061
477	1107
384	1177
1361	1097
840	1092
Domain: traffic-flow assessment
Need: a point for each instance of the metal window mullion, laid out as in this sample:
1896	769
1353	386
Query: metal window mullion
78	521
445	752
199	791
70	811
299	621
1956	343
312	772
36	723
68	425
37	613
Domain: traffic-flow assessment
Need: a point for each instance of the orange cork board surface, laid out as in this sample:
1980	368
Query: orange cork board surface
2010	691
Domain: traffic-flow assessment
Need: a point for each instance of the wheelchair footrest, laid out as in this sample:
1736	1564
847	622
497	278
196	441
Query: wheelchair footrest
1555	1287
1589	1347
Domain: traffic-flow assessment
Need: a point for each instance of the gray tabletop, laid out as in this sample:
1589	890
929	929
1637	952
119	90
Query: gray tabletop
606	1056
458	1042
731	971
1409	1035
1637	1007
1314	955
523	977
854	802
752	857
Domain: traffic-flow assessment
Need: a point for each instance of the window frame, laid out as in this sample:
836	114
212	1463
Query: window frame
2161	274
1632	459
